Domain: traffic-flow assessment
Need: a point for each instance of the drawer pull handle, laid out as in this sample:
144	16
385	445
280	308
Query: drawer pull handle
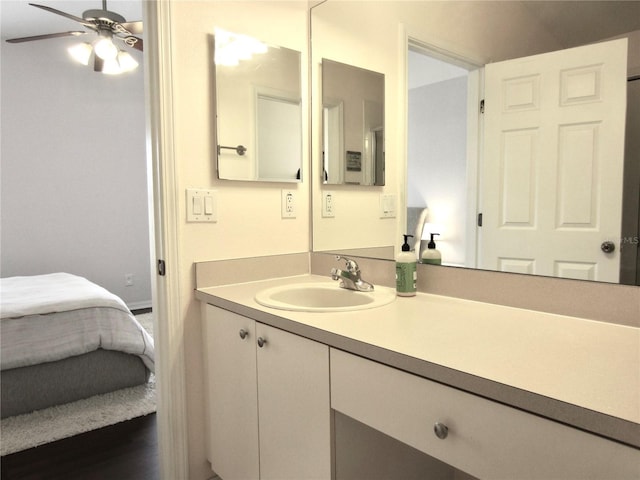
261	342
441	430
243	333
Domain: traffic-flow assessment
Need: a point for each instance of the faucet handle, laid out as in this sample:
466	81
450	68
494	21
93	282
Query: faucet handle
352	266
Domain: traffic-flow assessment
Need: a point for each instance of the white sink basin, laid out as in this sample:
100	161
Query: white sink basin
323	297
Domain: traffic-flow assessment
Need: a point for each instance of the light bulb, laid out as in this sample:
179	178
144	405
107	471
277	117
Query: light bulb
105	49
111	67
80	53
126	61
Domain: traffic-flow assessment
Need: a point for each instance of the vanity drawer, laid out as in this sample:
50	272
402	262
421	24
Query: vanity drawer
485	439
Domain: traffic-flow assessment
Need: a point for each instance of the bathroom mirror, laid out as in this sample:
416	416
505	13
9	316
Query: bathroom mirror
258	110
483	33
352	125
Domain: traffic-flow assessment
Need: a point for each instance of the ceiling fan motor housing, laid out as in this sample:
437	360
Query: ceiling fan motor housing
103	17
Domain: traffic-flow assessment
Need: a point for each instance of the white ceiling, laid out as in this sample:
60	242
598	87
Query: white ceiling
19	19
576	23
573	22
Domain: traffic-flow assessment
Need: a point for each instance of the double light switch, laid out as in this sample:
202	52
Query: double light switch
201	205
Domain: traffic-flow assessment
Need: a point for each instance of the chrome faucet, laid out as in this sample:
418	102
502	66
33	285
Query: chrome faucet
350	277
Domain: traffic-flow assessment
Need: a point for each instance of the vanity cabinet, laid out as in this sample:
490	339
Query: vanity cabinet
478	436
268	412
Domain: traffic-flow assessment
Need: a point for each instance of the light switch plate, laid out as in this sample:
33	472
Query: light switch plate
387	205
201	205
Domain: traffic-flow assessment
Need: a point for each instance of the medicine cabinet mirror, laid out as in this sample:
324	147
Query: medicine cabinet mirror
486	33
258	110
352	125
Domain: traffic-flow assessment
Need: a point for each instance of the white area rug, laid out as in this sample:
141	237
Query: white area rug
51	424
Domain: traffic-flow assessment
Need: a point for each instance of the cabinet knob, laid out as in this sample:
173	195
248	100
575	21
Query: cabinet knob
243	333
262	342
441	430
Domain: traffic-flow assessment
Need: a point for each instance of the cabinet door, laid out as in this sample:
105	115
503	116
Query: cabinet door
231	394
293	398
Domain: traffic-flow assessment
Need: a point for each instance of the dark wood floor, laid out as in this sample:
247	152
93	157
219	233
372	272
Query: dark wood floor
125	451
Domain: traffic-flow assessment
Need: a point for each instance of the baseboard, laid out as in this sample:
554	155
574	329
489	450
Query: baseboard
139	305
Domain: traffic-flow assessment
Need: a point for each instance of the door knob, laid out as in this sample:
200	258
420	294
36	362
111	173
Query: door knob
262	342
608	246
243	333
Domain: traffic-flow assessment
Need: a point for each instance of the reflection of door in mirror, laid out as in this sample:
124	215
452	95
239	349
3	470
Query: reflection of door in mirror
258	106
373	133
333	140
553	163
353	125
550	172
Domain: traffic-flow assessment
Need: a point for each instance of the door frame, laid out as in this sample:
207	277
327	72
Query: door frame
475	127
168	338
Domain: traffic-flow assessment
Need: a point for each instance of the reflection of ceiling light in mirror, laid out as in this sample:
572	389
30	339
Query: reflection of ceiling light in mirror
80	53
232	47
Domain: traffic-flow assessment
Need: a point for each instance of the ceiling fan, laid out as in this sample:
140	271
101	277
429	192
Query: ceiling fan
108	58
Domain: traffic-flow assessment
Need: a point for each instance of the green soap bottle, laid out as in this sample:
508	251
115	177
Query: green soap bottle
406	271
432	254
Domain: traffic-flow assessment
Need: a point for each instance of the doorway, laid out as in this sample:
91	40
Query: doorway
442	150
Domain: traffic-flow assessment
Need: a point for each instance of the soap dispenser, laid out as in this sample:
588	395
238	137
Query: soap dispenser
431	254
406	271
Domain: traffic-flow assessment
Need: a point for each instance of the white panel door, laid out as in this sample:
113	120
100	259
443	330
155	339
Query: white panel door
553	163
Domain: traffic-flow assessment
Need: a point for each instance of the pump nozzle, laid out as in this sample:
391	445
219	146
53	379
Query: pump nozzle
405	245
432	244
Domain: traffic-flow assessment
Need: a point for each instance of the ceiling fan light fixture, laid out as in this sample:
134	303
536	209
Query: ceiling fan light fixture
81	52
126	62
105	48
111	67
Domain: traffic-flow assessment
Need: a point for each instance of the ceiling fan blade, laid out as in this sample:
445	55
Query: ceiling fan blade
133	42
45	36
98	64
133	27
68	15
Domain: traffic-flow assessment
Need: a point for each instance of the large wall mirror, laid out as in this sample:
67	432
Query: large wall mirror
460	38
258	110
352	125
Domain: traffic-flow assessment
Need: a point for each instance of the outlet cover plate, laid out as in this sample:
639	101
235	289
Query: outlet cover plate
288	204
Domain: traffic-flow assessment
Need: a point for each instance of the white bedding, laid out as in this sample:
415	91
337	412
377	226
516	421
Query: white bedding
45	318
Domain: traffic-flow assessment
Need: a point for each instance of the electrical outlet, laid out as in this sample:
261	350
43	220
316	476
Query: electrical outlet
128	280
328	209
288	204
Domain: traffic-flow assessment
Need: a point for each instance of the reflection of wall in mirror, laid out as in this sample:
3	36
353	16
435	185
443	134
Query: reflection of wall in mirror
236	109
279	136
437	137
357	89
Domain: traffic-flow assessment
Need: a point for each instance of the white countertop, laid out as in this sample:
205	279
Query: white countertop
545	363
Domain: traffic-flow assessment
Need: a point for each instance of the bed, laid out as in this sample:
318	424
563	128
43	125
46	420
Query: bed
64	338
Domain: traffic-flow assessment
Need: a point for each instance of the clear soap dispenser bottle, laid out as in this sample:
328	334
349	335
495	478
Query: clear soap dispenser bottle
432	254
406	271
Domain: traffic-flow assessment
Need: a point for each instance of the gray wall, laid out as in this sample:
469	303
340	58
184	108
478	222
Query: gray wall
73	170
